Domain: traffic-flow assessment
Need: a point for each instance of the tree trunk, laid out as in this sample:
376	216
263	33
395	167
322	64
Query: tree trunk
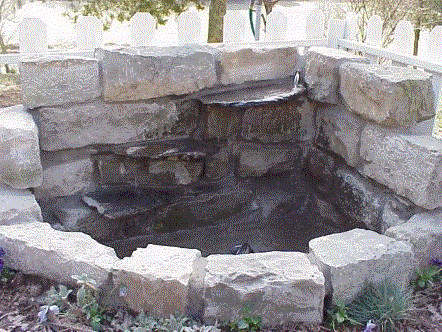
217	10
4	51
417	29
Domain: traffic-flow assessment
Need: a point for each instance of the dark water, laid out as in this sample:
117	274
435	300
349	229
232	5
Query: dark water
283	217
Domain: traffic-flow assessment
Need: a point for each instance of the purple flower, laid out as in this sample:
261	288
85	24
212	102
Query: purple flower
370	327
1	264
2	252
436	261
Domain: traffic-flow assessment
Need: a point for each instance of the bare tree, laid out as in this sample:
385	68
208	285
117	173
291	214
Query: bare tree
8	11
422	13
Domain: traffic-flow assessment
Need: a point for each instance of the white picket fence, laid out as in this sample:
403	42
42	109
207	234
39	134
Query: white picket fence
340	34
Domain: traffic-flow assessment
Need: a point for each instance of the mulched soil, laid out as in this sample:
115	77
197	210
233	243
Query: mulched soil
22	297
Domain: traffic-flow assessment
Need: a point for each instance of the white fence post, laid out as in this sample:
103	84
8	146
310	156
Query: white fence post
351	26
315	27
435	40
89	33
336	31
276	26
234	27
189	28
33	36
142	29
374	35
403	40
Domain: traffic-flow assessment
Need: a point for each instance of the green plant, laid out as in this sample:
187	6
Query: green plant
6	274
58	298
87	300
246	322
427	276
384	303
339	315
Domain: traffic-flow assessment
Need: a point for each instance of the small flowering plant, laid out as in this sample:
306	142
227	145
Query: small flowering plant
429	275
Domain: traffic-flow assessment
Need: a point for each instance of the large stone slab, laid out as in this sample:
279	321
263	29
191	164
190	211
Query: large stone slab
256	63
18	206
357	198
290	121
279	287
322	72
339	130
409	165
71	214
158	279
100	123
56	80
222	122
36	248
351	258
148	72
321	166
391	96
65	173
203	208
423	232
257	160
20	165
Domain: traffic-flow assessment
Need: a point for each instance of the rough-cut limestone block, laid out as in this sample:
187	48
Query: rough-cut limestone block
56	80
158	279
222	122
396	212
218	165
322	72
257	160
409	165
149	72
278	286
321	166
65	173
100	123
20	165
289	121
36	248
175	171
357	198
350	258
255	63
339	130
391	96
423	232
18	206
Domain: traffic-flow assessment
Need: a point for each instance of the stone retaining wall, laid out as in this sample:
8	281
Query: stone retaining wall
348	142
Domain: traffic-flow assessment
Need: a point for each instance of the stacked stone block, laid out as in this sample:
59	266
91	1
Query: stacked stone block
351	131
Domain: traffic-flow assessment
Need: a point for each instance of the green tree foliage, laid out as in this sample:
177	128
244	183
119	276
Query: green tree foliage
124	10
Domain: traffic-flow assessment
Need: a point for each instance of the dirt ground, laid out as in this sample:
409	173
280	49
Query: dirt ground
22	296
